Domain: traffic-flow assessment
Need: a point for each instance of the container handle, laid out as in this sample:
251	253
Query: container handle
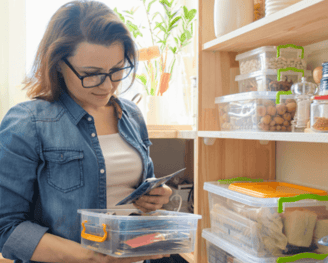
288	69
302	256
230	180
282	200
282	93
94	238
292	46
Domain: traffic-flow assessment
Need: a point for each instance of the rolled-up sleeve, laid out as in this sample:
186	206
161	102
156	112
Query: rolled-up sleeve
19	158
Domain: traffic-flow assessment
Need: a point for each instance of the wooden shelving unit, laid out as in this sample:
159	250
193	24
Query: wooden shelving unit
233	154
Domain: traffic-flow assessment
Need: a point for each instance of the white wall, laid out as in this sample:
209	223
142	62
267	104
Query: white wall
12	56
305	163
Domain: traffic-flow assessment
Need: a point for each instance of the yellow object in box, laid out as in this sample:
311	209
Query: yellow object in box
274	189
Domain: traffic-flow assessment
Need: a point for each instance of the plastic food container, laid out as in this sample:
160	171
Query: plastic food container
254	225
256	111
219	250
267	80
264	58
117	233
319	114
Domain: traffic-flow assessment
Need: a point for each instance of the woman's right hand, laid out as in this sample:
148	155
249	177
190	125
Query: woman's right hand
102	258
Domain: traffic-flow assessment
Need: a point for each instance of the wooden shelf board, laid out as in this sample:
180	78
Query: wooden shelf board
267	136
171	134
301	24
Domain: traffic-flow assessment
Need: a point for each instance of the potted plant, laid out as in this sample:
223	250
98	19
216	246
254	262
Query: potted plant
171	29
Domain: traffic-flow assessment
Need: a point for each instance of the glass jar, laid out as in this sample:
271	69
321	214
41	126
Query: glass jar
303	92
319	114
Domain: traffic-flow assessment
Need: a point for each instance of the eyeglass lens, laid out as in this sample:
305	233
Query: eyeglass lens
91	81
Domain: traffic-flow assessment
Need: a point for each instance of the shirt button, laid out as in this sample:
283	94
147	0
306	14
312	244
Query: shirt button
89	119
93	134
102	171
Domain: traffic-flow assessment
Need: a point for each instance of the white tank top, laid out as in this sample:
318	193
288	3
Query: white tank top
123	168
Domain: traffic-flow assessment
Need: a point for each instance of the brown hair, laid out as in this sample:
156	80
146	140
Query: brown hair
74	23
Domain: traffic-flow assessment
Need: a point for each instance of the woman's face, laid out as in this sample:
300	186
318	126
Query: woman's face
89	59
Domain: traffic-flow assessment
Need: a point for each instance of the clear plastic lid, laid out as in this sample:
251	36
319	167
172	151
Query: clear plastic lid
247	96
256	51
241	254
269	72
234	250
222	190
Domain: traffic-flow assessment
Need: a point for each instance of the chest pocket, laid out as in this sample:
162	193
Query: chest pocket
64	169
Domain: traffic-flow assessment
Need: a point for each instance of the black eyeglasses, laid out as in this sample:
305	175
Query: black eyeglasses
96	79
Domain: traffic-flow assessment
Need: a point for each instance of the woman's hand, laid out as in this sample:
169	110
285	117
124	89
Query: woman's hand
155	199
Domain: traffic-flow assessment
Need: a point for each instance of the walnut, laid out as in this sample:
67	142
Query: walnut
281	109
278	120
278	127
286	123
291	107
287	116
271	110
283	128
266	119
272	123
272	128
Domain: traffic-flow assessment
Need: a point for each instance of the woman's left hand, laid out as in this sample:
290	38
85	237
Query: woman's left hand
154	200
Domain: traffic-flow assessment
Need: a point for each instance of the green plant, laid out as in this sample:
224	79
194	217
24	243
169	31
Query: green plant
171	29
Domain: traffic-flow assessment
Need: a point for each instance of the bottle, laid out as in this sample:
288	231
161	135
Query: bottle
303	92
324	79
319	114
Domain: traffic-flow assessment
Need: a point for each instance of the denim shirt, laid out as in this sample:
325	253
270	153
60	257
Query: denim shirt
51	165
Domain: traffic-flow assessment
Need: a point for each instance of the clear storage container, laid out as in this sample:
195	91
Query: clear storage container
264	58
267	80
255	111
254	225
219	250
319	114
117	233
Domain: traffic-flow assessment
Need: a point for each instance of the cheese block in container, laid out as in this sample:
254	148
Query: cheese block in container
130	233
246	215
221	251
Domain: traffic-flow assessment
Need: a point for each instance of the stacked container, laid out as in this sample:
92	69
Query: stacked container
249	222
271	68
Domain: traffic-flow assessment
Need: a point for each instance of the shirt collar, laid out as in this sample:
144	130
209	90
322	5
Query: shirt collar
77	112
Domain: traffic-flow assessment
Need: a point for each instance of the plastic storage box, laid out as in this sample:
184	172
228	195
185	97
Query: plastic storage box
267	80
221	251
254	225
256	111
264	58
117	233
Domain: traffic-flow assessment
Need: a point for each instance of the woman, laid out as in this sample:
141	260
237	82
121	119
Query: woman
76	145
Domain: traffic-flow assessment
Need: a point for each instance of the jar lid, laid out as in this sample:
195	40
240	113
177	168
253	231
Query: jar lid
323	97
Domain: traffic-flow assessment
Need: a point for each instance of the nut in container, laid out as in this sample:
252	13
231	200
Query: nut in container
256	111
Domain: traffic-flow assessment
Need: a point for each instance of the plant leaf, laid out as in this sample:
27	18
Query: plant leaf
142	78
175	20
191	14
149	5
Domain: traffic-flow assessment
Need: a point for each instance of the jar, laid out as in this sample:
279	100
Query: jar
319	114
303	92
230	15
324	79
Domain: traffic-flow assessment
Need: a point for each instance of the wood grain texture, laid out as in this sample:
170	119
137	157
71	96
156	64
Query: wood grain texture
302	24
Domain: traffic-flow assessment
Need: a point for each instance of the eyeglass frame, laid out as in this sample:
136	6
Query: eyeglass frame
94	74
